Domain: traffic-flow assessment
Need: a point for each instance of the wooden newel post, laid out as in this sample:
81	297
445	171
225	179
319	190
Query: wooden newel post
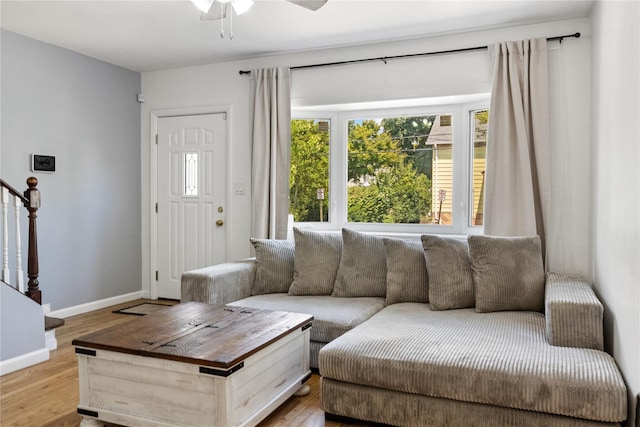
33	196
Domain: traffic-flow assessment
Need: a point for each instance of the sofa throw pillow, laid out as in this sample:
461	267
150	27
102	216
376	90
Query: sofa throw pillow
363	266
508	273
315	263
274	266
406	271
449	272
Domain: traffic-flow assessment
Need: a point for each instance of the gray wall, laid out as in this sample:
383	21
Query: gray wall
616	182
22	326
84	112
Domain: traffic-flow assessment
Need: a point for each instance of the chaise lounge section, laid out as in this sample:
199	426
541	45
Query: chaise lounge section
466	332
408	365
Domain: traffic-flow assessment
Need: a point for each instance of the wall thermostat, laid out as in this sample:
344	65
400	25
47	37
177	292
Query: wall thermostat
40	163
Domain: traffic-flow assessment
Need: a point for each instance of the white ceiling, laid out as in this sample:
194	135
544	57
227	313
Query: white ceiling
144	35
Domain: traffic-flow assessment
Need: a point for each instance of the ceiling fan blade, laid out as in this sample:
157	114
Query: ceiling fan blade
309	4
241	6
217	11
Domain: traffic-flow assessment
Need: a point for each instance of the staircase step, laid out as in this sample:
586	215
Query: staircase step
52	323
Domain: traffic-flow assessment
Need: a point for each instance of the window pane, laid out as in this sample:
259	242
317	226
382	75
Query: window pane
309	176
190	174
480	120
399	169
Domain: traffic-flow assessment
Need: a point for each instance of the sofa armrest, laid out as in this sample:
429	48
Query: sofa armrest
219	284
573	313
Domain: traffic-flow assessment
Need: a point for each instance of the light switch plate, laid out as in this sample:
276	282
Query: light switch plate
239	188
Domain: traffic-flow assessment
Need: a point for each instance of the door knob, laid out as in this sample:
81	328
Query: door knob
219	223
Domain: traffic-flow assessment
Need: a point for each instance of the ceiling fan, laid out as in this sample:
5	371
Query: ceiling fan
213	10
217	9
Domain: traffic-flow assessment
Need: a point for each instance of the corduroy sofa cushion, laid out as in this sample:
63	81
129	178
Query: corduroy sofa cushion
274	266
449	272
332	317
406	271
500	358
363	266
508	273
316	262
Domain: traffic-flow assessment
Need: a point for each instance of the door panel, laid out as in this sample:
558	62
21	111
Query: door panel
191	196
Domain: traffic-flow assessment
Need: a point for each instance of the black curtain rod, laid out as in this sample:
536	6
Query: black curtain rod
413	55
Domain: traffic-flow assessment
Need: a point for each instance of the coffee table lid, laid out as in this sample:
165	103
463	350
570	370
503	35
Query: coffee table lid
205	334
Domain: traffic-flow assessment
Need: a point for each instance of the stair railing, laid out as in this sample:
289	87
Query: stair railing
30	199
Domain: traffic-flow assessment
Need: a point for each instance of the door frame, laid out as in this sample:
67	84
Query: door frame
155	115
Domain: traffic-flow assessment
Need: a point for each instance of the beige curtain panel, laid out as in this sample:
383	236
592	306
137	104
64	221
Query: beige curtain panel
518	164
271	146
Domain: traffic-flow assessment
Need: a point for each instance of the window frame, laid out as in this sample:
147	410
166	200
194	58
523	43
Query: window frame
471	109
338	165
332	117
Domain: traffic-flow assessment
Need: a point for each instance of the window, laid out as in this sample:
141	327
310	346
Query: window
398	168
480	119
309	177
190	174
390	170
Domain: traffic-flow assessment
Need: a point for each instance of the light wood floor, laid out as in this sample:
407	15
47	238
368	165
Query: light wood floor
47	394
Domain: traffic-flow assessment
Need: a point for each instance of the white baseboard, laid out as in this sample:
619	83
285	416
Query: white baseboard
95	305
24	361
50	340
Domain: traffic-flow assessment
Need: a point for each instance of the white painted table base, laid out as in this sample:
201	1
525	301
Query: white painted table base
135	390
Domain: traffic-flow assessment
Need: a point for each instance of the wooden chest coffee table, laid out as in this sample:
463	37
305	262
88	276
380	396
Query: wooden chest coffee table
193	364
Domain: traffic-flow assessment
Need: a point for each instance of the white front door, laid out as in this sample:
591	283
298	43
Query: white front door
191	197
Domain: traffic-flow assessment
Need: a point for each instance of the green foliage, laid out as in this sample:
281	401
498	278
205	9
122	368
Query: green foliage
411	134
369	149
482	117
395	195
367	204
309	170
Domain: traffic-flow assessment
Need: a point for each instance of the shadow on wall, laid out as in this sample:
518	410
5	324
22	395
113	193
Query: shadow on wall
608	329
608	325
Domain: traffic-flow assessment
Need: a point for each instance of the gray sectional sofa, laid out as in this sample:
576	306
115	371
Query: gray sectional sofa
442	332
